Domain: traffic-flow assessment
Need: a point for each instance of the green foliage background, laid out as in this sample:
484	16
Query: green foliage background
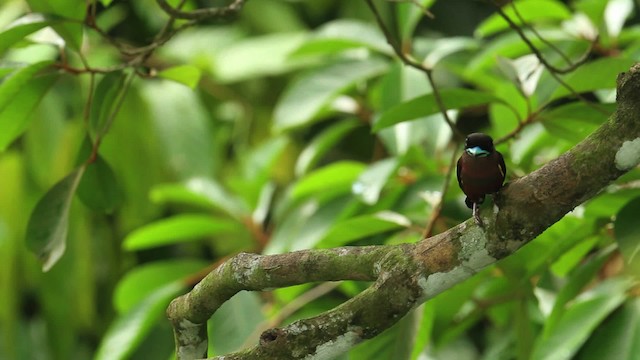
295	126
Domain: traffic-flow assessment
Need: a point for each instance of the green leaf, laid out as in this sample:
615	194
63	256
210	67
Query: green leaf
628	234
575	284
49	221
234	322
362	226
14	83
70	31
309	94
336	177
599	74
447	46
175	230
257	56
524	72
580	319
619	335
344	34
16	115
218	196
322	144
23	27
188	75
179	194
370	182
144	280
574	121
182	127
426	105
306	224
129	329
532	11
98	188
104	100
410	14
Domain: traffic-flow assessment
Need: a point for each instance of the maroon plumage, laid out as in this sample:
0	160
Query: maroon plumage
481	169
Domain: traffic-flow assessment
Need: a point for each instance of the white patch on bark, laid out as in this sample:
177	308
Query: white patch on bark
247	268
333	348
189	334
628	156
473	257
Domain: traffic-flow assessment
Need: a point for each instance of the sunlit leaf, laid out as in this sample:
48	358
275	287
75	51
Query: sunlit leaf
21	29
426	105
258	56
185	74
447	46
182	128
130	328
47	229
532	11
362	226
524	72
311	93
177	229
370	182
306	224
599	74
338	176
15	115
343	34
142	281
615	15
70	31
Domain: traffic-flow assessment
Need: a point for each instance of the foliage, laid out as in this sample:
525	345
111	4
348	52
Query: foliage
132	176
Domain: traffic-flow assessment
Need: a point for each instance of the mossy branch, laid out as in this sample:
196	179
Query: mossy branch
406	275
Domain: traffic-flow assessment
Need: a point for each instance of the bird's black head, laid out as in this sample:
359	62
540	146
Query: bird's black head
479	145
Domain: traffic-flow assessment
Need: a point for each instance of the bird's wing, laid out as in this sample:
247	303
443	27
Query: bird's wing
501	165
459	171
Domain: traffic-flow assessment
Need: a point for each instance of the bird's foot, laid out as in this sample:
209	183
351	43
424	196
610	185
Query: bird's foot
476	215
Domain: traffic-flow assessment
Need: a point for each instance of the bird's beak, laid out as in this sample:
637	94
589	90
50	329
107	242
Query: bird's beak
476	151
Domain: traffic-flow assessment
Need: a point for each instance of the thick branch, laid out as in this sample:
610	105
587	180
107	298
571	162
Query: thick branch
409	274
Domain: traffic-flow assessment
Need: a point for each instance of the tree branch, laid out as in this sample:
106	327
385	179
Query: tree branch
202	14
406	275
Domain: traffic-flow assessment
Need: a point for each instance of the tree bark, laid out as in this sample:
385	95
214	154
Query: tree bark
407	275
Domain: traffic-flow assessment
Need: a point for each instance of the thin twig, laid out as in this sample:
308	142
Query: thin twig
554	71
540	37
202	14
532	47
422	8
408	60
435	214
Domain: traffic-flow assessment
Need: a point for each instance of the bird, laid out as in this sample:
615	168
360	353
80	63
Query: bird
480	170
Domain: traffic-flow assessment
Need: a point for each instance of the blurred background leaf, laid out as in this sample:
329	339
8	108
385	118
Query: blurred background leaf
295	126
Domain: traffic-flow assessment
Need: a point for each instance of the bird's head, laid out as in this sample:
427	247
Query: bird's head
479	145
